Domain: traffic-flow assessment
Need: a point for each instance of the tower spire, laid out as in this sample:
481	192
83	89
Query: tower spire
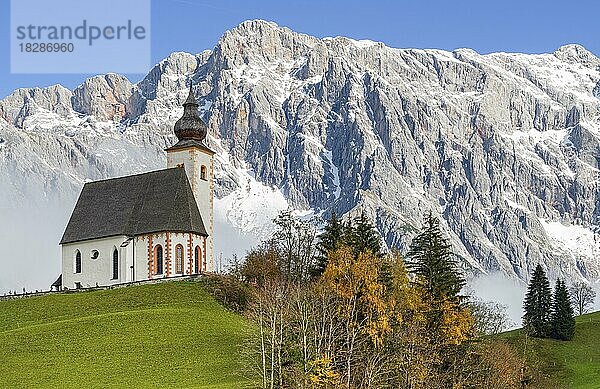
190	99
190	126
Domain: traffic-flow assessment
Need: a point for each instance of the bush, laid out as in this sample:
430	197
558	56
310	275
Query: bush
227	290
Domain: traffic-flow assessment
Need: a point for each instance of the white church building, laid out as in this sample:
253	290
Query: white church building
146	226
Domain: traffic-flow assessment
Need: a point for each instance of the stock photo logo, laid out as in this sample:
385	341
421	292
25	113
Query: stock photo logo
69	36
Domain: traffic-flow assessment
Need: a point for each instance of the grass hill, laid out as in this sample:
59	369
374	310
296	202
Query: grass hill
171	334
558	364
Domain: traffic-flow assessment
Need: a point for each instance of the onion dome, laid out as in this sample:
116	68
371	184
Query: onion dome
190	126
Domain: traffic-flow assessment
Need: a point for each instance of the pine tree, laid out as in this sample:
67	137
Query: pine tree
563	321
431	259
363	236
331	239
538	305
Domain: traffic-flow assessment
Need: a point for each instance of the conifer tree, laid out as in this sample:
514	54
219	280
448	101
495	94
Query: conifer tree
563	321
362	236
538	305
431	259
331	239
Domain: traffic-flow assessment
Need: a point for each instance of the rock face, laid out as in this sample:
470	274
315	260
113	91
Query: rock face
505	148
104	97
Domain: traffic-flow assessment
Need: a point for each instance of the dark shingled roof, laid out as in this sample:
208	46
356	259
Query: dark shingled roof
134	205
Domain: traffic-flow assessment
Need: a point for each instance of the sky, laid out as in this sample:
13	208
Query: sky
485	26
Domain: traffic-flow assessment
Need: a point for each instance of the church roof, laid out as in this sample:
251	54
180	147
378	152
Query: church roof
157	201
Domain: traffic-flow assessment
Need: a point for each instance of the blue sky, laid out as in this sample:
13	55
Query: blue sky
485	26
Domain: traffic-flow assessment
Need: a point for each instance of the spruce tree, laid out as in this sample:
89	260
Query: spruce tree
563	321
538	305
363	236
431	259
330	239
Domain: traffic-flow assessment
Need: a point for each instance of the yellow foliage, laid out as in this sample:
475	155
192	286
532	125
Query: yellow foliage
457	323
323	374
355	280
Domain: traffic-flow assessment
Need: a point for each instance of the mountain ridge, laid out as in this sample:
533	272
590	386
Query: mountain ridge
503	146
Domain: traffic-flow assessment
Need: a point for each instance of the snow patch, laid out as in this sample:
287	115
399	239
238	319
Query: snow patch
514	205
577	241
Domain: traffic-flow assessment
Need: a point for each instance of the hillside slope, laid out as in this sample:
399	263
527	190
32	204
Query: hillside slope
169	335
558	364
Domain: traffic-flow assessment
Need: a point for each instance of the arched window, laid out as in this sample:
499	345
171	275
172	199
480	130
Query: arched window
115	263
197	258
158	259
179	259
77	261
203	172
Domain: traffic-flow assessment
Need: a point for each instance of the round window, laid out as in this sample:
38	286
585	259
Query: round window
95	254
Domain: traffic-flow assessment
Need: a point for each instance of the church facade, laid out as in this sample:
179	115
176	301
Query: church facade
146	226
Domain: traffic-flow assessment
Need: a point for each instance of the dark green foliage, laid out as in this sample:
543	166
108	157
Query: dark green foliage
431	259
563	320
362	236
538	305
331	239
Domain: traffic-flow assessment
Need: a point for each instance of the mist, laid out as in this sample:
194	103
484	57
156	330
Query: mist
30	257
498	288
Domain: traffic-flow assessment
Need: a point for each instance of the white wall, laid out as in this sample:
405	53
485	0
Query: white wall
98	270
193	159
142	245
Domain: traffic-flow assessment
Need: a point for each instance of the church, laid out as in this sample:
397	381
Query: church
146	226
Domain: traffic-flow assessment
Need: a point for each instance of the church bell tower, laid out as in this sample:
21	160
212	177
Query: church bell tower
191	153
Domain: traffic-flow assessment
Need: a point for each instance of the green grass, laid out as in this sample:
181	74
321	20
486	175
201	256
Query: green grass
558	364
164	335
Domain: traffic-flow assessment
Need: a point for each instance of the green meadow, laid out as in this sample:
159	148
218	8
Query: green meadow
172	334
558	364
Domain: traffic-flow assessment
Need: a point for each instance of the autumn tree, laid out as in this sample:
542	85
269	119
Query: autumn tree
261	265
410	354
538	305
582	296
362	307
562	321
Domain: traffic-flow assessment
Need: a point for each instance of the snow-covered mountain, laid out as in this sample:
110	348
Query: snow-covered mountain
504	147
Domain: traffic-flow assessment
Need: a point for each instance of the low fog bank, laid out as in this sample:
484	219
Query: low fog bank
596	286
498	288
230	241
29	236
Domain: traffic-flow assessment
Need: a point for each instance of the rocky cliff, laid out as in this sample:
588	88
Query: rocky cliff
504	147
